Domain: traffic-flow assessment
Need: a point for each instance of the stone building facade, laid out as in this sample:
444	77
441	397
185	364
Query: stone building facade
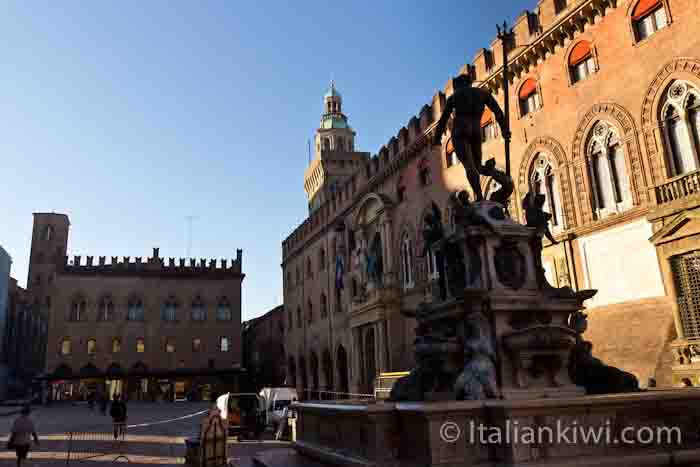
264	354
605	99
150	328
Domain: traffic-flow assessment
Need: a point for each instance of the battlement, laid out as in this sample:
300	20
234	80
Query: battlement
155	265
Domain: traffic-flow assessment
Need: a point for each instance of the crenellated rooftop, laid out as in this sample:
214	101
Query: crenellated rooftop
155	265
537	35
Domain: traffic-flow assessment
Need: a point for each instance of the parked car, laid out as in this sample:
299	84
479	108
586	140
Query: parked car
275	401
243	413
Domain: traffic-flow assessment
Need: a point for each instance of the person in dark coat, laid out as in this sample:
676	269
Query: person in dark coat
118	414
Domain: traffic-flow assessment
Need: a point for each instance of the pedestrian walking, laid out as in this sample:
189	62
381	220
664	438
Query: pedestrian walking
23	431
118	414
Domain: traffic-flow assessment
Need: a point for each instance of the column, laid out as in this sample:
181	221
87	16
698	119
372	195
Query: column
388	250
381	350
354	363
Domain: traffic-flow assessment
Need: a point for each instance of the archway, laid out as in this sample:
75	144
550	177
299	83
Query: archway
342	366
327	370
313	368
303	378
292	373
370	366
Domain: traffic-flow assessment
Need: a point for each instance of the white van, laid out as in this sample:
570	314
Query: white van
276	400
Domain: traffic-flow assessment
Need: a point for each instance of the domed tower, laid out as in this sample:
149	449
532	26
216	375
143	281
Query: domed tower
335	158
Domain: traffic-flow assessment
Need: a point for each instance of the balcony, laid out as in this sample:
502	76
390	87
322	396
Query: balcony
678	187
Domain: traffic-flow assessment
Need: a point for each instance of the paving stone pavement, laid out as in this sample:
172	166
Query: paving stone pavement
155	436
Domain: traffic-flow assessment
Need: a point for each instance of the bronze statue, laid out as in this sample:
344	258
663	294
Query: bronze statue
468	103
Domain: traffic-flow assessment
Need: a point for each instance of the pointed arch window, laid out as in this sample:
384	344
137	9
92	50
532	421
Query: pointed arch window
529	97
581	61
106	309
544	180
310	312
223	310
424	174
91	346
324	306
407	261
681	123
134	310
116	345
648	17
169	312
78	309
400	190
198	312
608	171
322	260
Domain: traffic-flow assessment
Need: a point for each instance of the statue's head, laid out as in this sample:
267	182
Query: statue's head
462	81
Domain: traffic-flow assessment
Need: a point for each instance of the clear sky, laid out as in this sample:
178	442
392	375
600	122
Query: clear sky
131	116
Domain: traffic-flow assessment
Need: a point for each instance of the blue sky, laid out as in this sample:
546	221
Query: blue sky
131	116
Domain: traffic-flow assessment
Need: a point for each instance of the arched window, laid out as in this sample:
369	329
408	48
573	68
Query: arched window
170	345
326	144
66	346
48	233
681	122
223	310
581	61
339	143
196	344
430	258
400	190
488	126
91	346
106	309
169	312
322	260
608	171
300	319
309	269
407	261
529	97
298	276
543	180
648	17
198	312
78	309
310	312
424	173
324	306
290	320
140	345
224	344
116	345
134	310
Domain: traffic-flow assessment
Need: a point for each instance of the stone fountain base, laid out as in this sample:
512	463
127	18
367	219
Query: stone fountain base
504	432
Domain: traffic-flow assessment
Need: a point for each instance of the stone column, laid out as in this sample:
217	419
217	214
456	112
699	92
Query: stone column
387	250
354	363
381	350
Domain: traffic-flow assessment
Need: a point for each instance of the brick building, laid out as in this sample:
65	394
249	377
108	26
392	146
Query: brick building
264	354
149	328
605	118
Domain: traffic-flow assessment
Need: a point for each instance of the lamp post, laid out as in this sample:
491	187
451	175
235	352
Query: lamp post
506	37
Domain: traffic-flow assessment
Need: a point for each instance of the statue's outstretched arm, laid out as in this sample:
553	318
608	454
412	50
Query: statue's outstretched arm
442	123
